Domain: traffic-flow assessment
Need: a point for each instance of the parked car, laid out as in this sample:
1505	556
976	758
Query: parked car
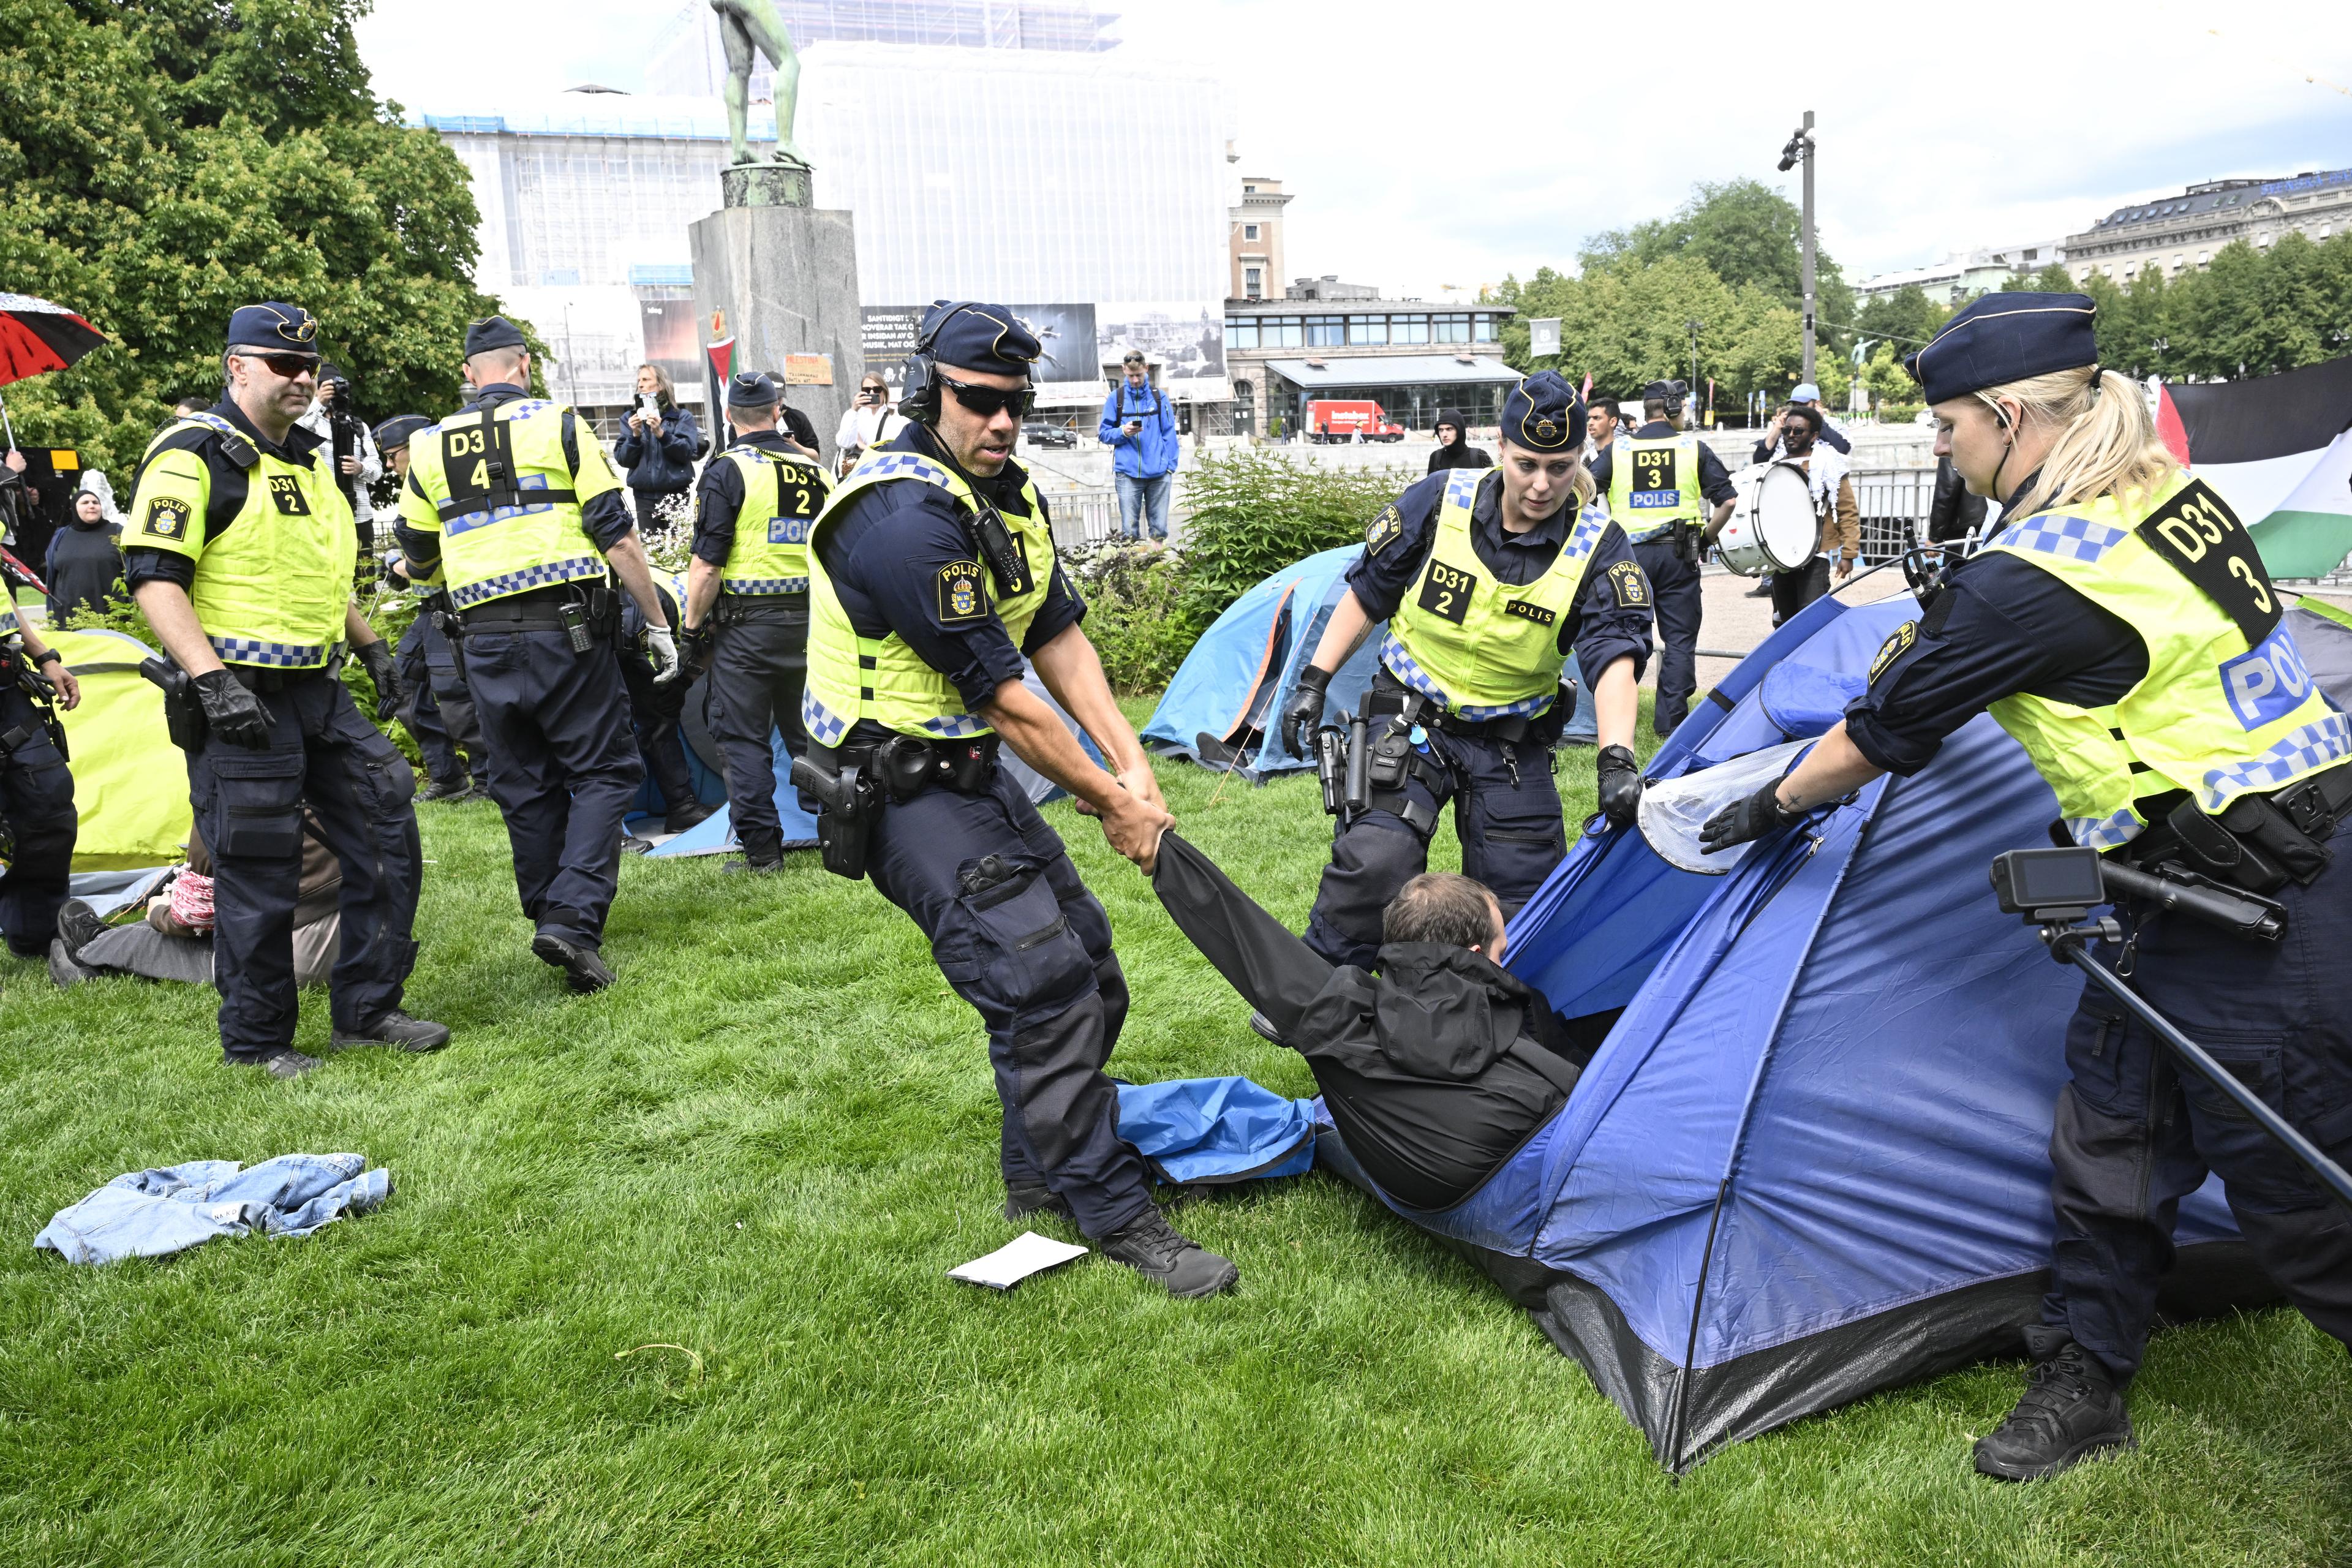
1045	432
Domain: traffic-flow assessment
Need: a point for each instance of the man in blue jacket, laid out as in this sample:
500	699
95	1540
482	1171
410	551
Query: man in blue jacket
1139	427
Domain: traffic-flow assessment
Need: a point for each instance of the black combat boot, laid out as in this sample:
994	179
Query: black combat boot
1028	1198
584	971
2071	1409
1157	1250
395	1028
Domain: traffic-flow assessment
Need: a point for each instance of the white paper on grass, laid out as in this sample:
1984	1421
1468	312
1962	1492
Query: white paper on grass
1673	812
1024	1254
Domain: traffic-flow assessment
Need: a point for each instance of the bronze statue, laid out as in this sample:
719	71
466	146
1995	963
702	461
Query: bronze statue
744	24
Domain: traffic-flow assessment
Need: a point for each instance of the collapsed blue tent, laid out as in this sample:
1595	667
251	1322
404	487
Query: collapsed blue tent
1809	1159
1246	665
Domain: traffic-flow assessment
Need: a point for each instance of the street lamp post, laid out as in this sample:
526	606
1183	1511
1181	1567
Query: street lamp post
1693	326
1799	150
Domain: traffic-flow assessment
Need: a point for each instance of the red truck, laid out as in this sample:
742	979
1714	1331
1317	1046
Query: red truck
1336	419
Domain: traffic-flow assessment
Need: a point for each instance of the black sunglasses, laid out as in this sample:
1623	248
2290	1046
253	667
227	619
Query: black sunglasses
288	366
988	400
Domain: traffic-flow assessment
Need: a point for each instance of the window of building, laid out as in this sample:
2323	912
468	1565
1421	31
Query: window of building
1249	190
1488	328
1326	331
1253	281
1280	332
1364	329
1249	231
1241	331
1450	328
1408	329
2204	257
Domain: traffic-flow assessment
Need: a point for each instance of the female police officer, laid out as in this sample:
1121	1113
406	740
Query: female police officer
1487	578
2120	626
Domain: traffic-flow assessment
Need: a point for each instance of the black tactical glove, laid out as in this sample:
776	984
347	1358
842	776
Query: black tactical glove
695	645
232	712
1304	712
1744	819
1621	784
389	695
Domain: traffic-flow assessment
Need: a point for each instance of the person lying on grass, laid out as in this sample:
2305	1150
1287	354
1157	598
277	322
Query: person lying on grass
1435	1069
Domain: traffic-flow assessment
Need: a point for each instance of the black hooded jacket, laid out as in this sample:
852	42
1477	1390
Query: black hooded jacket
1434	1070
1458	453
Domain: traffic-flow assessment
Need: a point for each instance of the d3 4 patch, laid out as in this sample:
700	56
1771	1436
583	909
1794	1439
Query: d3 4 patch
285	491
960	596
167	518
1632	588
1894	648
1384	529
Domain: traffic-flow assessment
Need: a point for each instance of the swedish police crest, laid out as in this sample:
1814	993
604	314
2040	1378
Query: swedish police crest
1384	529
1894	648
961	598
167	518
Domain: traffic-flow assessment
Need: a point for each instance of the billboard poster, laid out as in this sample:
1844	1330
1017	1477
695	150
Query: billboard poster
1067	335
668	328
887	334
1186	344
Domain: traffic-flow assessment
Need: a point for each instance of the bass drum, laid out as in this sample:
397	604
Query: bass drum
1772	527
1738	545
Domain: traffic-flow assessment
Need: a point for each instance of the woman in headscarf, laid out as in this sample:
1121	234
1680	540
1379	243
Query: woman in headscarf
1453	449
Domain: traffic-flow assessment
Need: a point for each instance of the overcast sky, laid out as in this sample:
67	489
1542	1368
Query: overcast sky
1452	142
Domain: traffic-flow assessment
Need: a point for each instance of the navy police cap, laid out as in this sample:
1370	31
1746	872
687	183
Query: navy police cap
1997	338
491	332
751	389
276	326
1542	414
985	338
394	433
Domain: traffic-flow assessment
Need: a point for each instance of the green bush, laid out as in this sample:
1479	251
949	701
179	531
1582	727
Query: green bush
1133	595
1253	512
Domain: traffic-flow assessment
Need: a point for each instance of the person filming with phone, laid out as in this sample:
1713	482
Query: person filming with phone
657	452
867	422
1139	425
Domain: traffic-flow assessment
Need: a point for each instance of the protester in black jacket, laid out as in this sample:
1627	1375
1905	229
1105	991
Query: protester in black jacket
658	453
1954	513
84	564
1434	1069
1454	449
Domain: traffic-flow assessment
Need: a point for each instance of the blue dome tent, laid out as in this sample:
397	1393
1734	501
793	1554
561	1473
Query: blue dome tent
1809	1161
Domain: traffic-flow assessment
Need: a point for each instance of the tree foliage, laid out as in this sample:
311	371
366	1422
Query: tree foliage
1747	234
2252	311
163	162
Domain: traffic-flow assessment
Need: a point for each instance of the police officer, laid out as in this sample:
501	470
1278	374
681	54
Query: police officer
1669	492
437	708
1488	578
747	605
37	792
240	550
514	510
2120	626
932	576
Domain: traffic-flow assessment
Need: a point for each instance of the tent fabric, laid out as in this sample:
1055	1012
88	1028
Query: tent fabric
1216	1130
1809	1161
131	784
1232	685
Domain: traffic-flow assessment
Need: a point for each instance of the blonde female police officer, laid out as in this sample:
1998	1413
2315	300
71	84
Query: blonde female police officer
931	575
2120	625
240	548
1488	578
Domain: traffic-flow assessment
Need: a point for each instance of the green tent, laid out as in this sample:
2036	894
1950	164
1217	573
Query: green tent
131	784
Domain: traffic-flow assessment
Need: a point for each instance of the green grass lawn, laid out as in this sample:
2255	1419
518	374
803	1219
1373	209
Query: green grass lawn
768	1143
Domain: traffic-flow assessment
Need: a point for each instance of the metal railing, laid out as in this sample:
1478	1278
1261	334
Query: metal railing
1083	516
1893	503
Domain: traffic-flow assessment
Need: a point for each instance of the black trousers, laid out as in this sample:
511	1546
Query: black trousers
1506	812
2134	1135
758	668
1792	591
1675	600
248	806
439	712
37	800
1033	956
564	770
651	505
654	711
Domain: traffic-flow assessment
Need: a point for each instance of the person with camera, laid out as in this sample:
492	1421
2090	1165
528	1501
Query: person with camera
747	606
1488	578
511	508
931	578
2120	625
867	423
1669	492
658	449
1805	395
345	441
1139	425
240	550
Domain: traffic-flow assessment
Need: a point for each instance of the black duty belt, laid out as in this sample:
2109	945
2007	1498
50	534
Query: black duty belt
905	766
534	610
257	678
737	609
1511	728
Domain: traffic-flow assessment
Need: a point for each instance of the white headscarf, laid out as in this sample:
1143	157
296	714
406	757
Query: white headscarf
97	484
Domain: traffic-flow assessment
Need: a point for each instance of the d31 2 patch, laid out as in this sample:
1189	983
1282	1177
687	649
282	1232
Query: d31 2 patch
1894	648
1384	529
961	598
1633	589
285	491
167	518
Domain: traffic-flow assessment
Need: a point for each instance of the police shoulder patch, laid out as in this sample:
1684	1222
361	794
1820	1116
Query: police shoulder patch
167	518
1384	529
961	598
1633	589
1894	648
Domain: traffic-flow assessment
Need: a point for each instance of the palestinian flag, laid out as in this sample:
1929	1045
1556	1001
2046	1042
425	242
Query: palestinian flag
2279	448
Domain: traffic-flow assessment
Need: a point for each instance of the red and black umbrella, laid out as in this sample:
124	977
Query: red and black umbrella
37	337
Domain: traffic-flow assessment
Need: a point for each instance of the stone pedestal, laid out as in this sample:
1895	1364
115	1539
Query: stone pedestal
786	277
765	186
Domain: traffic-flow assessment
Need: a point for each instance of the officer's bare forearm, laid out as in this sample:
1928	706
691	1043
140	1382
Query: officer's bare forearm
1722	515
1038	737
701	591
1072	671
1833	769
356	629
1350	623
174	620
627	558
1616	703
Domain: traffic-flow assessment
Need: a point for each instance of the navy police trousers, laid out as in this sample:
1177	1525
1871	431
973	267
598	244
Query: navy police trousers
1033	954
1674	598
439	712
36	801
1506	813
249	807
2134	1135
758	667
564	770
